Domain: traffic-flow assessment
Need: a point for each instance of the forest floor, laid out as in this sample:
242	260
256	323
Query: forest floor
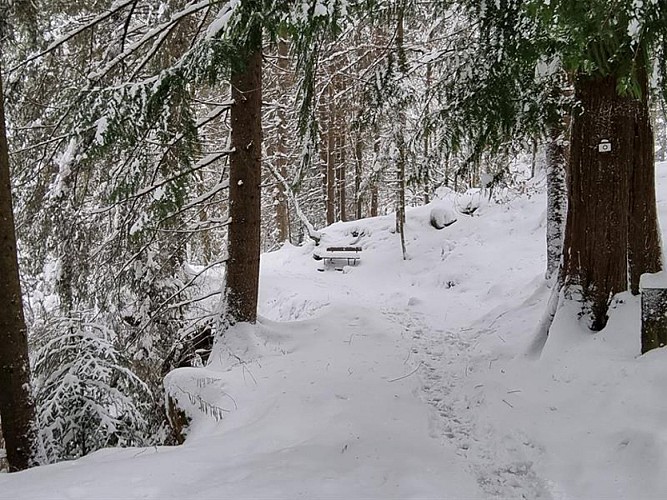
406	379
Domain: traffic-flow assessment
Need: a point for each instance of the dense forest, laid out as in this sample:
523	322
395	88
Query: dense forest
148	145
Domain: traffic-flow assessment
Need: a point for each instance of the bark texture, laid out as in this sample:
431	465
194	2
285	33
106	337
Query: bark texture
612	235
341	174
280	197
358	170
400	142
331	161
644	245
245	185
556	198
596	236
654	320
17	410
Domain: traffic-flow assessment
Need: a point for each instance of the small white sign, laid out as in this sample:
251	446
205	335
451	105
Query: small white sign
604	146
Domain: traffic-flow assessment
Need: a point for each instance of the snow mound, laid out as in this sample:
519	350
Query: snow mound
442	216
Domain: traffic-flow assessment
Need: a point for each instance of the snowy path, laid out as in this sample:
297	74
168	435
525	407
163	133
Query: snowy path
447	299
442	358
501	463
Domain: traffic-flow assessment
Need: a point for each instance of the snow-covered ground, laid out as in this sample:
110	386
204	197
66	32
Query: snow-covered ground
406	379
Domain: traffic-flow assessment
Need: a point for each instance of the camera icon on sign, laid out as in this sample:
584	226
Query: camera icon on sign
604	146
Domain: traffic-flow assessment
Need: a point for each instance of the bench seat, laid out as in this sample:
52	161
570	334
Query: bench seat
333	254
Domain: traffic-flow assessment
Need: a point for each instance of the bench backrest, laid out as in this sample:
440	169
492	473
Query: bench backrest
343	249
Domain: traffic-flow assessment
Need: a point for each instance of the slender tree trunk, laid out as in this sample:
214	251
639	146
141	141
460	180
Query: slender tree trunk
662	137
400	198
374	174
280	199
533	157
205	238
331	161
322	110
644	246
245	185
374	200
358	157
426	176
341	173
596	234
556	197
17	410
447	169
400	142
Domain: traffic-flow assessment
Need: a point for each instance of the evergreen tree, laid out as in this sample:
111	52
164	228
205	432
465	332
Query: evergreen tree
607	55
612	228
17	411
87	395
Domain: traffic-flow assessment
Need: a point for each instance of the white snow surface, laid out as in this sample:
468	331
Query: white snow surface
406	379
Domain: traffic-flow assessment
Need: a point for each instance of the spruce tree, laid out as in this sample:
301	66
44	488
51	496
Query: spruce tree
17	410
606	55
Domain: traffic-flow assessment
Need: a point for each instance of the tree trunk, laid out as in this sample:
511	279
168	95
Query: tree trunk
331	161
426	168
340	171
374	176
596	234
654	320
533	157
358	168
644	247
400	142
556	197
374	200
400	186
17	410
245	185
400	199
280	199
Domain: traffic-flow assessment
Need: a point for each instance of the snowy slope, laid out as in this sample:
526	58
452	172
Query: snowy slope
406	379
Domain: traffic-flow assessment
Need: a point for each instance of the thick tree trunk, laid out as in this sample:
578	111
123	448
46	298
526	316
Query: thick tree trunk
17	410
245	185
556	197
644	246
596	234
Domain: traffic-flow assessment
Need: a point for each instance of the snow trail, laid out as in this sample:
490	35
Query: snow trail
503	464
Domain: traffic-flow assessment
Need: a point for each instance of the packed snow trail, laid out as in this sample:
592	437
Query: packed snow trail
501	463
439	337
318	409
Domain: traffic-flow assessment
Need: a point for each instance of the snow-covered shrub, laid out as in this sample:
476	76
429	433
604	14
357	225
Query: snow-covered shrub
469	202
87	397
442	216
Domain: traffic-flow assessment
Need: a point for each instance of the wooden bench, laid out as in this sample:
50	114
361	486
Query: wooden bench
341	254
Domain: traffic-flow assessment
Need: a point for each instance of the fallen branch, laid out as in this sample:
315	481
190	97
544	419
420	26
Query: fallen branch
408	374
